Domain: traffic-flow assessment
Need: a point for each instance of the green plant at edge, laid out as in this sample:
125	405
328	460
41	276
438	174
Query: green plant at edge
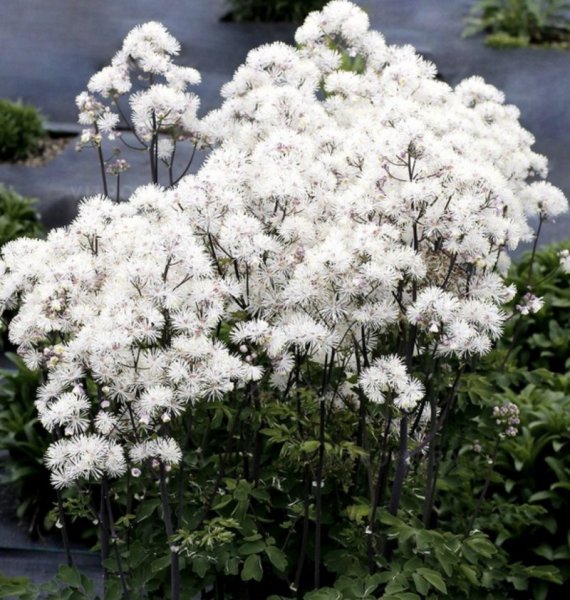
21	129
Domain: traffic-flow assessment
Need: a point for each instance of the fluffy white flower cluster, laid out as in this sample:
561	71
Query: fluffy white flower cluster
119	310
356	213
386	378
164	107
355	200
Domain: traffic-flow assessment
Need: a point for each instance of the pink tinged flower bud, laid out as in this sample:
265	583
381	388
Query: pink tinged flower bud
136	472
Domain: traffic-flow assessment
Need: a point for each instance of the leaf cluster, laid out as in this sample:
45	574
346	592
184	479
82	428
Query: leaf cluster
68	584
25	440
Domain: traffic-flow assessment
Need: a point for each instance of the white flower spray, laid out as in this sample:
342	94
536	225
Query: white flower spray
357	220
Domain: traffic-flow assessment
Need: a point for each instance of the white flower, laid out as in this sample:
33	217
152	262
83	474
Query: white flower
110	81
543	199
387	378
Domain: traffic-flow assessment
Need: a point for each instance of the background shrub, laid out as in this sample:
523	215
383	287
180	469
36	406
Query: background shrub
18	216
272	10
21	129
518	23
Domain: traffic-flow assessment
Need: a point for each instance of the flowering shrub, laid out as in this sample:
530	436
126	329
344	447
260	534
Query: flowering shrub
270	349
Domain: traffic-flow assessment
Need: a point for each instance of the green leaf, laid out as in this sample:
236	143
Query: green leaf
324	594
200	566
481	546
146	509
137	555
231	566
113	590
470	574
276	557
309	446
70	576
545	572
224	501
434	578
357	512
252	568
545	551
14	587
543	495
251	548
421	584
160	563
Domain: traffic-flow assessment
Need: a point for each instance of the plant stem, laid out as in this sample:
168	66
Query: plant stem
430	483
102	165
401	466
64	531
114	538
257	449
383	467
167	516
103	529
305	534
485	488
318	493
152	151
188	165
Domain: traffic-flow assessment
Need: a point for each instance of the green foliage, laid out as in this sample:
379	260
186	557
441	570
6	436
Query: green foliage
21	129
68	584
529	475
529	478
519	23
273	10
542	340
26	441
18	217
